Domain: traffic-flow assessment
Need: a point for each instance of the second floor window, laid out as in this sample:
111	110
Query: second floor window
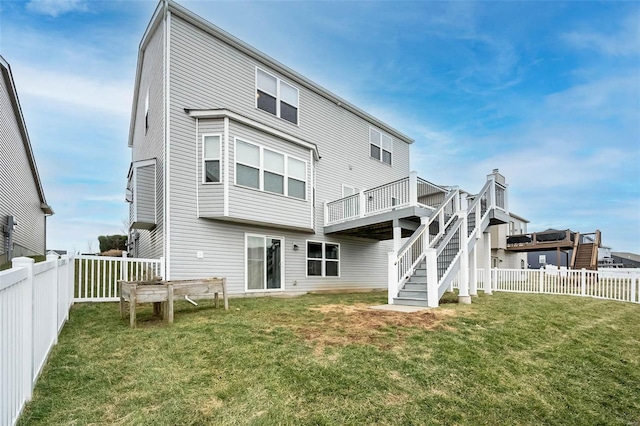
270	171
276	96
211	158
380	145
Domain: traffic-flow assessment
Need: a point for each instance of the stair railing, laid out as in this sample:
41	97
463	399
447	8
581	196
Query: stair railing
464	232
403	263
479	210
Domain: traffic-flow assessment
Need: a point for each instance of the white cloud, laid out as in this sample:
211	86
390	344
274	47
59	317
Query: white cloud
55	8
87	92
625	42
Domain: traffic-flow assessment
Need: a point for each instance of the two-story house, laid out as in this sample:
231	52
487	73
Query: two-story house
23	207
243	168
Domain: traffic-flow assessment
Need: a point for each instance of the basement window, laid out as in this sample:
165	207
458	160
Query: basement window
323	259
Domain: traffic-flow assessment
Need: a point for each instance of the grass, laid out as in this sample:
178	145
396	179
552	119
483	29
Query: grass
326	359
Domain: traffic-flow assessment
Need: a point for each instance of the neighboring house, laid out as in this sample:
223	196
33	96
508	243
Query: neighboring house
500	256
627	260
245	169
23	207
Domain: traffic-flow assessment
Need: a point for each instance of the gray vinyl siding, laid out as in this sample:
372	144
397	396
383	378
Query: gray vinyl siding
150	144
18	190
207	74
145	194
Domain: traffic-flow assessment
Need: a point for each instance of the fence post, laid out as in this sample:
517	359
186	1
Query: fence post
392	277
54	324
162	267
27	326
635	280
124	270
583	281
541	280
72	279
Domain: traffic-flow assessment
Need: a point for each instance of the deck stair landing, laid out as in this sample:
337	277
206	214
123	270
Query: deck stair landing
438	251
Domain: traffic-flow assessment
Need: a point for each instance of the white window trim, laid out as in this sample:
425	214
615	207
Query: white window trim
323	259
380	146
278	99
246	264
204	159
261	170
133	178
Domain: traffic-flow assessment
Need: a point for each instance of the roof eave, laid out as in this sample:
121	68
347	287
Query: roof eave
15	103
156	18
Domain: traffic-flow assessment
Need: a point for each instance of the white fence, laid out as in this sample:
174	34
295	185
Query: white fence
34	305
620	285
97	277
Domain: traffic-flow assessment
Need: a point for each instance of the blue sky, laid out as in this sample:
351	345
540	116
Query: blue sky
547	92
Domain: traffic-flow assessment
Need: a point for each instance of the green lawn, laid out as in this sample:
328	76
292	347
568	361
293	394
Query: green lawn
326	359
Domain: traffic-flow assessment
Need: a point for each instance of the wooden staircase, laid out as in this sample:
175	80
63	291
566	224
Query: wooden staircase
585	251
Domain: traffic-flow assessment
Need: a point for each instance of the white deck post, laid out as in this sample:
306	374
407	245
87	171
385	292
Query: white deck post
413	188
362	207
392	277
432	278
424	220
473	270
27	326
397	237
463	285
326	215
486	246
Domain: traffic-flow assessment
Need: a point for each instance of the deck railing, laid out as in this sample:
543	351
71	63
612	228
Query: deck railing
405	192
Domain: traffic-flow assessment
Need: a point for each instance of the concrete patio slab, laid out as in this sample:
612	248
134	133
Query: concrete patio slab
399	308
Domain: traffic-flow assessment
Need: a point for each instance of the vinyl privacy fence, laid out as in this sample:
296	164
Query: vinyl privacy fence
34	305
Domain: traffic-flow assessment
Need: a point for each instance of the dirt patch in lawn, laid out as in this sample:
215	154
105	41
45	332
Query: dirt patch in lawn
346	324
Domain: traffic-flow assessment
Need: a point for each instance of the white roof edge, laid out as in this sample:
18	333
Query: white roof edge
520	218
222	113
11	86
240	45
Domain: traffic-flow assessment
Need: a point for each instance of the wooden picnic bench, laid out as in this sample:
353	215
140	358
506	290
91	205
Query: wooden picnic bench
163	293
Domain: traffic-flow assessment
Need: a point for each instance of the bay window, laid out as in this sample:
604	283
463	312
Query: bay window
211	158
270	171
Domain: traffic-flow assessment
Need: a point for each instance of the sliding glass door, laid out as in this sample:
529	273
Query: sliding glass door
264	262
